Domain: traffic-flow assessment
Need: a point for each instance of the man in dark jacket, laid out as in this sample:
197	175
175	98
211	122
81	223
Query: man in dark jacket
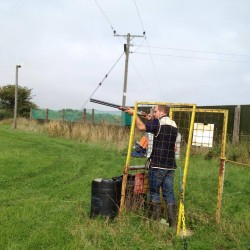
162	160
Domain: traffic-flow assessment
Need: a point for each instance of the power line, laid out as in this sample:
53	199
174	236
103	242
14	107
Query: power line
191	57
151	58
99	84
142	80
105	16
141	43
152	62
139	15
195	51
107	19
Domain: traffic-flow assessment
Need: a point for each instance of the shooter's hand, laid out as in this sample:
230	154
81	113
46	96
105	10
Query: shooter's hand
123	108
149	117
130	111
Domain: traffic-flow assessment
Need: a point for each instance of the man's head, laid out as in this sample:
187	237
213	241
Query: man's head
160	110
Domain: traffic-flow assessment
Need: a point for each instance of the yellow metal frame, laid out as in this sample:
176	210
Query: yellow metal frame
184	179
126	168
222	166
222	161
192	108
175	106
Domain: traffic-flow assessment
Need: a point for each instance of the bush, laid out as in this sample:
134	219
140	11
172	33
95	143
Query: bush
239	153
5	114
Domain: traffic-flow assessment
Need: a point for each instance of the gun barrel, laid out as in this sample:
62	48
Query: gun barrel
142	113
104	103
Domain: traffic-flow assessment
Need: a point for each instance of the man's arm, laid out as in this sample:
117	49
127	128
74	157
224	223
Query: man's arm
138	122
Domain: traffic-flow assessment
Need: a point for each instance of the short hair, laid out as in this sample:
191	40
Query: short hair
163	108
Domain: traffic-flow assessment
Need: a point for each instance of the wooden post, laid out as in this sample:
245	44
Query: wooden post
30	113
63	114
236	131
126	50
46	115
93	116
84	116
222	167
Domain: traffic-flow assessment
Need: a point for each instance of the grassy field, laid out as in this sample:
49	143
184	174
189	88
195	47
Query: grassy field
45	195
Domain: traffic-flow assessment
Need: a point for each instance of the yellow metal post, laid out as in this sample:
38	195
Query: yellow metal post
184	180
125	171
222	167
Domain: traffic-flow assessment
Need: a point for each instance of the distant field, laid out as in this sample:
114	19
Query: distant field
45	192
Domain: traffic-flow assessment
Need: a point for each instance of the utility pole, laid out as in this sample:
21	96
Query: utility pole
16	97
126	49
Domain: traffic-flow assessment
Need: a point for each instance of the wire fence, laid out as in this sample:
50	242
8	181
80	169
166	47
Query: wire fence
238	128
87	115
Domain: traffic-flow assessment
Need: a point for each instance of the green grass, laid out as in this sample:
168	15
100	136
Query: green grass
45	194
201	199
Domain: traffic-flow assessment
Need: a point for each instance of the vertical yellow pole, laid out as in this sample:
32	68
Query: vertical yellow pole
171	113
184	180
125	171
222	167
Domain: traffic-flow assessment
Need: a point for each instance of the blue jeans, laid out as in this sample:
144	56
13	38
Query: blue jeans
161	178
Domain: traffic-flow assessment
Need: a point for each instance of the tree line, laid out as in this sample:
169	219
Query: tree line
7	101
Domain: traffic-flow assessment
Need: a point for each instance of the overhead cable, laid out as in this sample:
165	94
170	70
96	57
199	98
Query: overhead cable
151	58
195	51
191	57
105	16
99	84
152	61
142	80
141	45
139	16
114	31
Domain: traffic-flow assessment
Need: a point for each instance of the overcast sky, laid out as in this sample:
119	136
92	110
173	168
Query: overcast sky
193	52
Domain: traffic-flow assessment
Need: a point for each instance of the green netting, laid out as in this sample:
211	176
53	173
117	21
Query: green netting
72	115
38	114
114	117
55	115
94	116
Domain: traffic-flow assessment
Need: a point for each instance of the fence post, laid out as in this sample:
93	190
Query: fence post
236	131
46	115
30	113
63	114
84	118
93	116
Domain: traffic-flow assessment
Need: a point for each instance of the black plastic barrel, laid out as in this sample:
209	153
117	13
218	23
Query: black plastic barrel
105	197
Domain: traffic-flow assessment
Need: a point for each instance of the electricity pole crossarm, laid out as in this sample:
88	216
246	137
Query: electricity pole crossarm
125	36
126	48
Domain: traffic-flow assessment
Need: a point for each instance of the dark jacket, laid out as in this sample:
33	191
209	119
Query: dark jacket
165	133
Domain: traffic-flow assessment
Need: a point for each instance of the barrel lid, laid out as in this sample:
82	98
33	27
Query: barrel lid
103	180
107	180
98	179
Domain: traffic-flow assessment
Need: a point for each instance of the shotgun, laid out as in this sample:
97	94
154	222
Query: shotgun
142	113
